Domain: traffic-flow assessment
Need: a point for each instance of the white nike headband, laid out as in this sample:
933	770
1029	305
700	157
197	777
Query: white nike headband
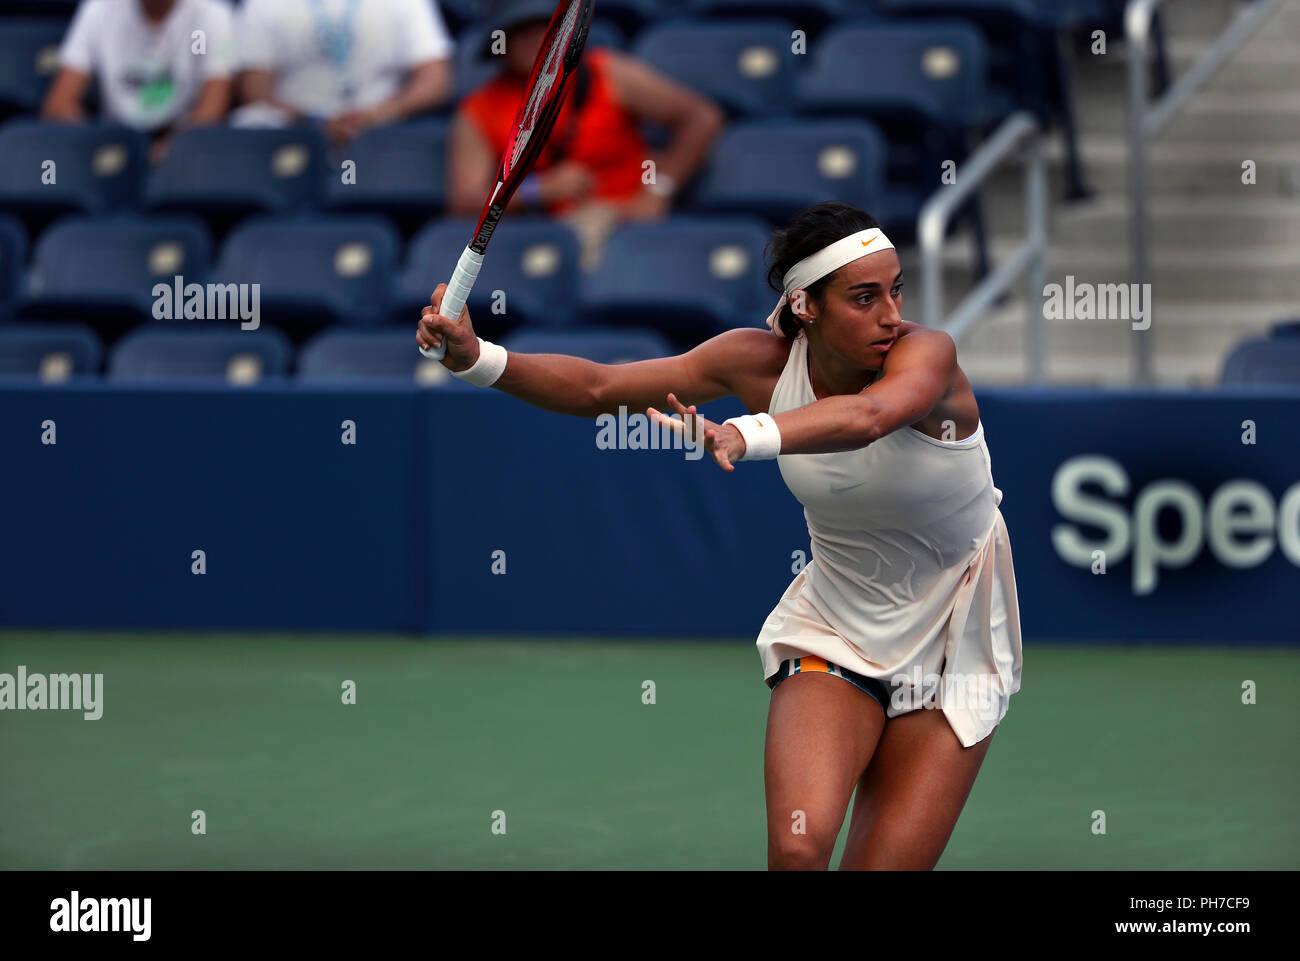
827	260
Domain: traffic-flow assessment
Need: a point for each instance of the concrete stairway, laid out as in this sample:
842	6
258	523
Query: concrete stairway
1225	256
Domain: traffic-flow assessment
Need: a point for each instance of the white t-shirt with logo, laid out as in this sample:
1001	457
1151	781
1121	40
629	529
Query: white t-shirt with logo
330	56
150	74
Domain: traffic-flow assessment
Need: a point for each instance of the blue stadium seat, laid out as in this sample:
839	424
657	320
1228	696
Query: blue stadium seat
1027	10
357	356
226	172
401	171
533	261
111	265
314	271
29	59
808	15
53	353
457	14
1061	14
924	86
1287	328
1022	43
52	169
748	67
13	262
604	345
165	353
686	277
1264	362
632	15
777	168
605	33
1029	65
937	70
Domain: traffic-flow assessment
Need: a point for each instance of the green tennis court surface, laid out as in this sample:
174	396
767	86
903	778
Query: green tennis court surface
251	730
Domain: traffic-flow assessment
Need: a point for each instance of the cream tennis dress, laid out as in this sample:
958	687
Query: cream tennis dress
910	580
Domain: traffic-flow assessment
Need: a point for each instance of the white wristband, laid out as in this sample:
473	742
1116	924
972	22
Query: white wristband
489	366
762	438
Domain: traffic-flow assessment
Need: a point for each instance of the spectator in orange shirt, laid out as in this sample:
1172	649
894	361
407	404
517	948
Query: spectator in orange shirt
593	172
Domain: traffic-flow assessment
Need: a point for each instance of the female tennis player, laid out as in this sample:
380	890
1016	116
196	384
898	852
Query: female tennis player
893	654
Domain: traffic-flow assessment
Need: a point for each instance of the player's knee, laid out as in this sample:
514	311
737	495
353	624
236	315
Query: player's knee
799	852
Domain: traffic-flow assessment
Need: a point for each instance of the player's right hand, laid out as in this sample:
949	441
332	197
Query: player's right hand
434	329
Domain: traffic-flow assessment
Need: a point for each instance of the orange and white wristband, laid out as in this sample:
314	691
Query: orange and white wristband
762	438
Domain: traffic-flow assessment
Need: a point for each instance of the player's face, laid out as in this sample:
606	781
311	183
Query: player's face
859	315
522	46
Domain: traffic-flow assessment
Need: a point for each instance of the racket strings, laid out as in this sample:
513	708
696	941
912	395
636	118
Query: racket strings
546	77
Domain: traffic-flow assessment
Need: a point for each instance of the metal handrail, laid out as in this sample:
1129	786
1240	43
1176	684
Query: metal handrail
1030	257
1144	124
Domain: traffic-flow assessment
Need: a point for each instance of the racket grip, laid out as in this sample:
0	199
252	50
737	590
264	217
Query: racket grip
458	288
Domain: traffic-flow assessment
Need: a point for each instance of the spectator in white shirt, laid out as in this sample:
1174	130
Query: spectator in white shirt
160	64
342	63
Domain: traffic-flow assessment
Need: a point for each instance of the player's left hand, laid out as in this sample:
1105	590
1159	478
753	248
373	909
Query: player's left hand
722	441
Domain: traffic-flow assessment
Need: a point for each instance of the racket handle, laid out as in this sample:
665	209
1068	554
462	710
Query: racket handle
458	288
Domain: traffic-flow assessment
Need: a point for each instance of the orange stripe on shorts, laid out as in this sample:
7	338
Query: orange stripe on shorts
813	664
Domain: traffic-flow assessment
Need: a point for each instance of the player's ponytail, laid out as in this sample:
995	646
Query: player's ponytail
812	229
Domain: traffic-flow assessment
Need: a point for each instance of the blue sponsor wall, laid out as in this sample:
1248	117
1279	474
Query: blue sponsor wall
403	530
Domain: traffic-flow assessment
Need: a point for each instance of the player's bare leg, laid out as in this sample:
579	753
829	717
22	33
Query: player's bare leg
821	732
911	794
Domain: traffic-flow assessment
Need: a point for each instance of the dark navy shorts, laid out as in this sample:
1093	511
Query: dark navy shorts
817	665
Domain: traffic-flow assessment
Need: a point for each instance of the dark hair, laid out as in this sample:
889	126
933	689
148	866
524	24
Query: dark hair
811	229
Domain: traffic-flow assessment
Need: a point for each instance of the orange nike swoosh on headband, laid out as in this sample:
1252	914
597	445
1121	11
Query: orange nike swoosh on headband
868	243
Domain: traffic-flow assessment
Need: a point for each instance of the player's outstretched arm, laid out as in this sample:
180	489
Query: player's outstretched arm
917	378
736	362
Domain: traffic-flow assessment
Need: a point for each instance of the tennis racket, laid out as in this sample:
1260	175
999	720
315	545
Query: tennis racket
557	58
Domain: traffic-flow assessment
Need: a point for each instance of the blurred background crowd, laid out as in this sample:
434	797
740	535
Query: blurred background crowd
337	152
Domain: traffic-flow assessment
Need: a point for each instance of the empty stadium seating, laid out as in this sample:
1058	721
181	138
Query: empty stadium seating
29	50
110	266
399	171
13	260
314	271
1264	362
808	15
747	67
1074	14
938	71
631	15
218	354
534	264
686	277
222	172
51	169
356	356
777	168
924	85
52	353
